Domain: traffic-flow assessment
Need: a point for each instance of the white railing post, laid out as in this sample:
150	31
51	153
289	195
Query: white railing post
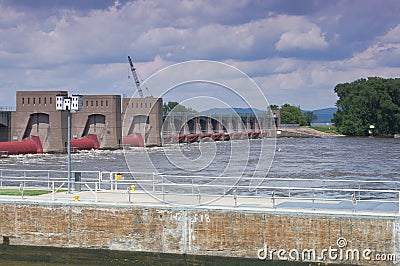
154	182
21	189
199	196
162	187
313	197
95	192
224	187
111	181
99	177
273	199
48	179
52	191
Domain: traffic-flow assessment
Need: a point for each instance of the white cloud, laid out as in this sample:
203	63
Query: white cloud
393	35
376	56
10	17
383	53
303	40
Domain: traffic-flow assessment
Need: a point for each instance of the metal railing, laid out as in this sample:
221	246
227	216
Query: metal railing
273	193
7	108
42	178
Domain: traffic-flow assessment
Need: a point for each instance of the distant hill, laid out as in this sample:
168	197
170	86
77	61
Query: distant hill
323	115
228	111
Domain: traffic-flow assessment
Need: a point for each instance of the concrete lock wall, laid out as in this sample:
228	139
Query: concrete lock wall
202	232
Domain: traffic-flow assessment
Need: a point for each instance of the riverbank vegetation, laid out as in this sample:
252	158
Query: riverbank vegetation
326	129
368	107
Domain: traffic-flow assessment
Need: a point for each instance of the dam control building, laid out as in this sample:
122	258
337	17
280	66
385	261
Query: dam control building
101	115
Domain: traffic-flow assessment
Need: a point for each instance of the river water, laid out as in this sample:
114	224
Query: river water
340	157
335	158
311	158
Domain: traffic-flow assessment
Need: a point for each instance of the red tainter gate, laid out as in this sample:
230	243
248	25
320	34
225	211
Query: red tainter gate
31	144
87	142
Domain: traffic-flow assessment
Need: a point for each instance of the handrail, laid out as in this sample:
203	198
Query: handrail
161	184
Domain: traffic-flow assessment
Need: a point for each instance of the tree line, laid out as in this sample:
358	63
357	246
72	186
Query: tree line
368	106
291	114
177	108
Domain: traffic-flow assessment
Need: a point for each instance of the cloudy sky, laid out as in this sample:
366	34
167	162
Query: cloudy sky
296	51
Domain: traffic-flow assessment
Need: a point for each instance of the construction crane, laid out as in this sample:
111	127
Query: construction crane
135	76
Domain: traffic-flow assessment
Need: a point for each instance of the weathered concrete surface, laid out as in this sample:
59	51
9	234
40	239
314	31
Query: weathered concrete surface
227	232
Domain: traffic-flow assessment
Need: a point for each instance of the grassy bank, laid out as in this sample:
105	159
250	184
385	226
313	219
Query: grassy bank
27	192
326	129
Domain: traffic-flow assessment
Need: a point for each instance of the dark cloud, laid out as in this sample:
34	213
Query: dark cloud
296	47
58	4
298	7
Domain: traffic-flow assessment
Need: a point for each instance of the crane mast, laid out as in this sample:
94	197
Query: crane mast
135	76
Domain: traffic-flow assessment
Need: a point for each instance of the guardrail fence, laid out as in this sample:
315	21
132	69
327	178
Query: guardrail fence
260	192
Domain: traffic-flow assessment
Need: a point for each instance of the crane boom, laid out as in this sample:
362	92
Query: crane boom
137	82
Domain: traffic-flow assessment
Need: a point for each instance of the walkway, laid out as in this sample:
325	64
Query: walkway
138	198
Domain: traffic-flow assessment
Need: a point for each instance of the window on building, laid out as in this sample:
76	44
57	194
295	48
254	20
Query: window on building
29	100
91	103
101	102
87	103
97	103
150	105
45	101
23	100
34	100
40	100
137	105
51	100
141	105
106	102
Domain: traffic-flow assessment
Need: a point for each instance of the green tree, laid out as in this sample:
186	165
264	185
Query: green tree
274	107
292	115
176	107
310	117
364	102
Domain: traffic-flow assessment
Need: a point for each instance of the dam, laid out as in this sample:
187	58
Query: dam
111	122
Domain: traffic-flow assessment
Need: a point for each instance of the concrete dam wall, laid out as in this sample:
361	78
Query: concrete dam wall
349	239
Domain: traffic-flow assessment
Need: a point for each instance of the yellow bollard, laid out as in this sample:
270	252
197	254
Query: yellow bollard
118	176
76	198
133	188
